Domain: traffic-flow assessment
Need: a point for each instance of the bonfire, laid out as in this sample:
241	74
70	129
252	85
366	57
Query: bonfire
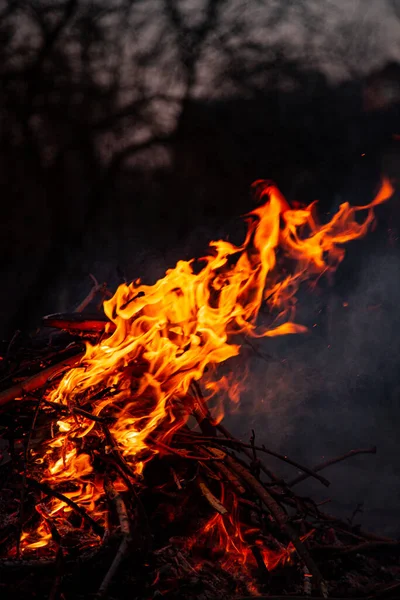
119	465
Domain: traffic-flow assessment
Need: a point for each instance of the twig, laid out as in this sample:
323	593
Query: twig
90	416
359	509
26	458
37	381
201	412
211	499
276	511
330	462
277	480
13	339
176	479
184	455
119	459
203	417
140	508
233	442
122	513
229	476
119	505
37	363
263	355
60	408
255	463
96	289
346	527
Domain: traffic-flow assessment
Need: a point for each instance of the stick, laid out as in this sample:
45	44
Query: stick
281	518
176	479
346	527
13	339
203	417
255	467
76	323
249	455
233	442
276	511
37	381
96	289
211	499
143	515
330	462
229	476
201	412
184	455
26	458
119	504
119	459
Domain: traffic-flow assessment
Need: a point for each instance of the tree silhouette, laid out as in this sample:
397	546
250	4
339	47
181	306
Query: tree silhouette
157	114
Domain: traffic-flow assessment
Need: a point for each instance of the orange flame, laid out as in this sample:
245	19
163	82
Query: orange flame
185	323
225	535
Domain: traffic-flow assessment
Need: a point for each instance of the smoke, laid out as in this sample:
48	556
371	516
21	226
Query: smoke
337	388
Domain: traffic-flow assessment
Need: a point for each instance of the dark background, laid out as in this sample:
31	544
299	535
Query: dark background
130	133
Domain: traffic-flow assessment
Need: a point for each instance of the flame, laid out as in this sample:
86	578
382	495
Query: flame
168	334
225	535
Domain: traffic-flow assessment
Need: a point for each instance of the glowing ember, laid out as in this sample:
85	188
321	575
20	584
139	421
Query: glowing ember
166	336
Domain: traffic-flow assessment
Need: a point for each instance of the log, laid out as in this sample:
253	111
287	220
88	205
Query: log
37	381
78	323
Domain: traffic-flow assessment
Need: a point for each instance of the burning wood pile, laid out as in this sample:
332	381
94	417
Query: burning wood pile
119	479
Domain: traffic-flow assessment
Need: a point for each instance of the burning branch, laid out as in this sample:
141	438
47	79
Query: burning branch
39	380
49	491
120	508
211	499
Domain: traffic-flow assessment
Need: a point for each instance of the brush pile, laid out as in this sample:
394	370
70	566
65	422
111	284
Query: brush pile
206	518
118	477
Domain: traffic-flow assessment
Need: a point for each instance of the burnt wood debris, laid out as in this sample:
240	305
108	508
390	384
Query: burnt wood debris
207	518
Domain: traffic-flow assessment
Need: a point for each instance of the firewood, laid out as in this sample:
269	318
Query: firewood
211	499
39	380
123	518
78	323
114	437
